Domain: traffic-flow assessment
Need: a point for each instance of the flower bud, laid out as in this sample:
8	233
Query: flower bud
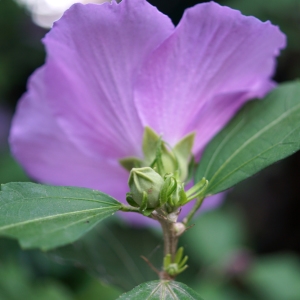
178	197
179	228
145	183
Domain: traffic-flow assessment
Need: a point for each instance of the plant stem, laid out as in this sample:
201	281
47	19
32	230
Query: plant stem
170	238
191	214
170	241
128	208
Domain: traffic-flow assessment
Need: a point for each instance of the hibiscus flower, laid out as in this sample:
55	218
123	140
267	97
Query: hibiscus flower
113	69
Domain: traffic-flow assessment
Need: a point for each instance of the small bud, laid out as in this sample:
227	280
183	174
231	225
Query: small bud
173	270
172	217
145	184
179	228
168	188
178	197
176	266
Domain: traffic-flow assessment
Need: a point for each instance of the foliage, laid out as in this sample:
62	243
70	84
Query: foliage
161	290
51	216
248	143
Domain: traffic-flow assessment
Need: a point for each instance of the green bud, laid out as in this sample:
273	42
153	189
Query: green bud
156	153
176	266
145	185
179	228
173	270
168	188
178	197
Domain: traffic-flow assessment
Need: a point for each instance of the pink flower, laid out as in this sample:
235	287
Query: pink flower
113	69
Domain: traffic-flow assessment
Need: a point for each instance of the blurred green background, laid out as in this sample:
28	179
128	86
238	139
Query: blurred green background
247	249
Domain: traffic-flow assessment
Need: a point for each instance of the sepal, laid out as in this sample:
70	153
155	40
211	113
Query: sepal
129	163
197	190
183	154
145	186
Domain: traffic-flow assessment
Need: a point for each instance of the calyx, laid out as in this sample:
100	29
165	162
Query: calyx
157	180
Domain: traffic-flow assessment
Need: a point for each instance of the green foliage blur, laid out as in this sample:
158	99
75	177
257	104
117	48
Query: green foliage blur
246	250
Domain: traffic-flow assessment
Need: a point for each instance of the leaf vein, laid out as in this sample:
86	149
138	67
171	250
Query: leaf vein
41	219
250	140
254	157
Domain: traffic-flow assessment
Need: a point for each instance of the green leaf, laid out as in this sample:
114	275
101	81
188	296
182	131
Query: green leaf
263	132
112	251
50	216
161	290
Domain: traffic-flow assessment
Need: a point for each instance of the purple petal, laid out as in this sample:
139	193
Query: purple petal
47	153
94	53
114	68
216	59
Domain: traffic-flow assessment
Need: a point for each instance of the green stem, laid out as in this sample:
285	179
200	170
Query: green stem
191	214
128	208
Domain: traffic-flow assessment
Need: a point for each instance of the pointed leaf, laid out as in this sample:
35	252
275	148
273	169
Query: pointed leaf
161	290
263	132
50	216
